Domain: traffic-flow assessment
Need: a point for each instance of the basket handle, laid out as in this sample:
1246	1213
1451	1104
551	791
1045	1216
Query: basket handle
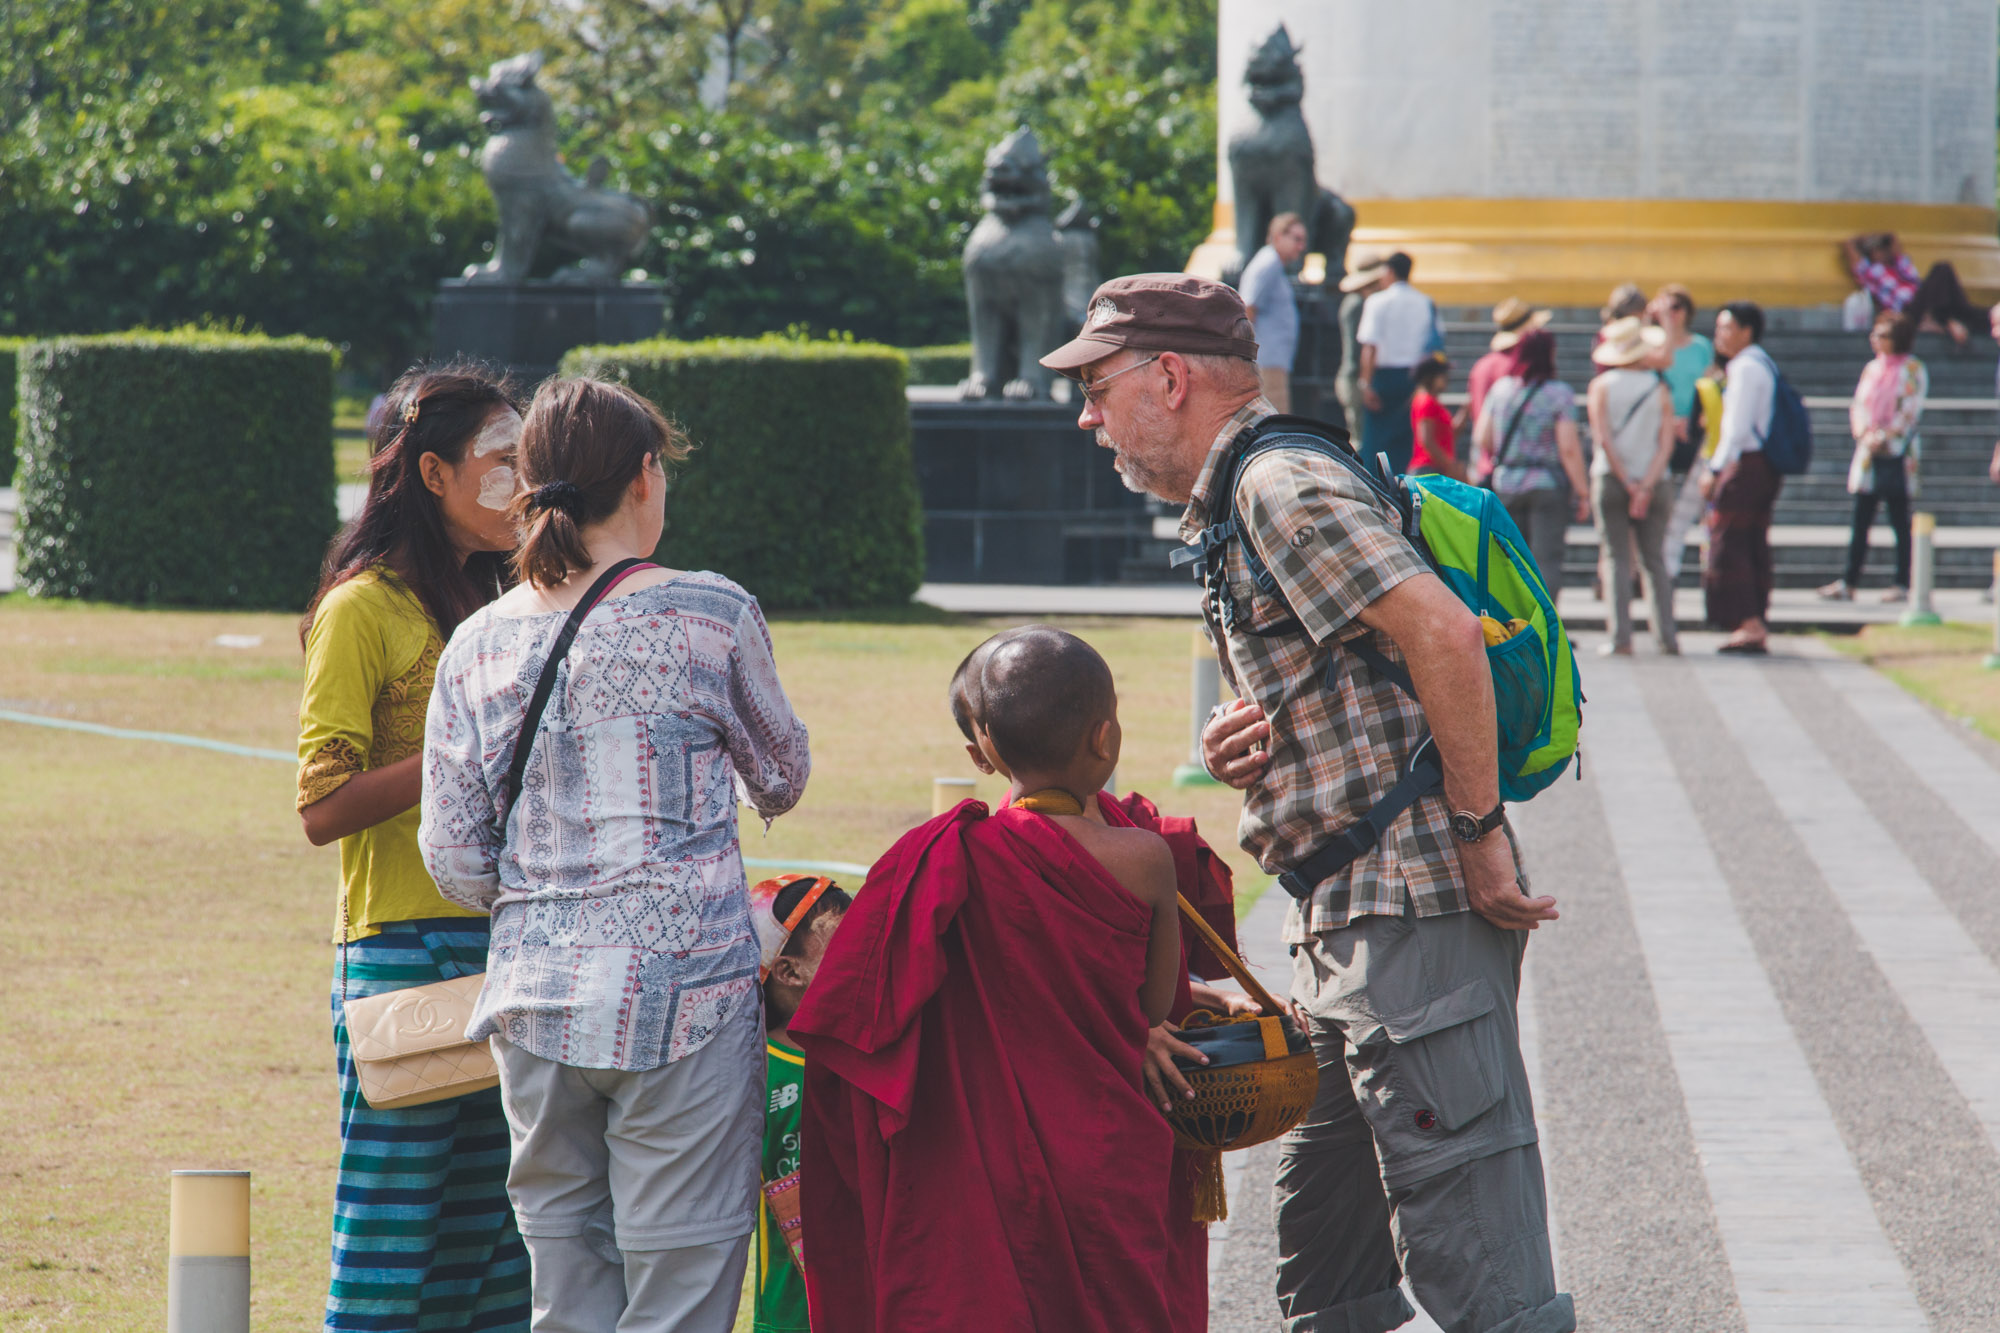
1250	984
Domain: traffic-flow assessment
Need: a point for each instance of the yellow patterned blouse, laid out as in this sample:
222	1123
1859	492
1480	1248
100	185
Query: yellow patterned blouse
370	660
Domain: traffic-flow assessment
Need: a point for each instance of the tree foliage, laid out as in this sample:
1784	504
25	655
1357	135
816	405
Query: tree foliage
310	166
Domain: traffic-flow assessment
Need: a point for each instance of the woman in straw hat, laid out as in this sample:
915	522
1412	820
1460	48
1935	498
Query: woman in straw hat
1632	426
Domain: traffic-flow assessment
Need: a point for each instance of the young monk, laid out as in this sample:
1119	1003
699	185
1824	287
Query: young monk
980	1151
1203	878
794	917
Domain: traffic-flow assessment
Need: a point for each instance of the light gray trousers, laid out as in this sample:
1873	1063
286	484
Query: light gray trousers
1420	1154
637	1192
1617	535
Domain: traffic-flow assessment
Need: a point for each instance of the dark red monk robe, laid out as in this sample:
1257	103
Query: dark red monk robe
978	1152
1204	880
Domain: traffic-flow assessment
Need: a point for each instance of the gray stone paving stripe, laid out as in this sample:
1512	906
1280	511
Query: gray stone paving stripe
1637	1239
1803	1243
1948	985
1948	763
1930	1172
1908	779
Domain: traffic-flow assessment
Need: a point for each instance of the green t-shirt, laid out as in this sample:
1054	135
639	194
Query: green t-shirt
781	1289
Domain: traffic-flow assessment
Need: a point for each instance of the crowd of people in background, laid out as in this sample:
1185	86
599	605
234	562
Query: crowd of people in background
1676	421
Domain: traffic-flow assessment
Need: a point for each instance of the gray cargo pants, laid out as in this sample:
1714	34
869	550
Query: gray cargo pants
1420	1153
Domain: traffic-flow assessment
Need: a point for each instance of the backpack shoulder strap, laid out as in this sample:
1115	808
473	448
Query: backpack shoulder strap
1278	431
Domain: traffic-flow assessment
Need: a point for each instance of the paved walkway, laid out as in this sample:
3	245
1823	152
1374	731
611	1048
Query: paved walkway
1765	1036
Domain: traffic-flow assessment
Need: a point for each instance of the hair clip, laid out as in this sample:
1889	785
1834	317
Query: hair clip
562	495
410	413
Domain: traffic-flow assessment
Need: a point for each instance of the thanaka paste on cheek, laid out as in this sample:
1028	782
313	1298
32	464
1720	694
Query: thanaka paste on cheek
502	432
496	488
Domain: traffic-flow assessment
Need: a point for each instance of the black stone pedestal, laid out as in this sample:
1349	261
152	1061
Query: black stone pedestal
1317	364
1015	493
527	327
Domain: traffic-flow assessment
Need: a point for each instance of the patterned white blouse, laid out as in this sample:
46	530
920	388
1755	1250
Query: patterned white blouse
621	918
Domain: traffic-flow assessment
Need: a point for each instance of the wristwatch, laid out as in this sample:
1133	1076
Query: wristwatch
1468	827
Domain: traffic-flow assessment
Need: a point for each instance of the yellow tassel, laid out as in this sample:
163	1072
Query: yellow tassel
1211	1199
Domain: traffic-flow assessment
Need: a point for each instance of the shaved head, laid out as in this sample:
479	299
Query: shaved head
967	701
1042	690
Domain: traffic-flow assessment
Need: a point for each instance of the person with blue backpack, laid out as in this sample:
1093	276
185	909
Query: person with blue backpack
1765	438
1400	673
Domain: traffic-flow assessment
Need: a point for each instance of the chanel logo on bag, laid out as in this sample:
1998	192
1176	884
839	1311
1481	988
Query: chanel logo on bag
418	1016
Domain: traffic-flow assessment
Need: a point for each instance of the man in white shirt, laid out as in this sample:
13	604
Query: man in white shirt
1266	288
1741	485
1399	329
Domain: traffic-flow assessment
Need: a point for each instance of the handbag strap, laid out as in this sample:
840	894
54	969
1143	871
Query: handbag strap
1514	422
1632	412
545	684
1253	987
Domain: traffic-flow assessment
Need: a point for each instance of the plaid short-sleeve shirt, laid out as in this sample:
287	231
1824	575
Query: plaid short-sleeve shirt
1340	734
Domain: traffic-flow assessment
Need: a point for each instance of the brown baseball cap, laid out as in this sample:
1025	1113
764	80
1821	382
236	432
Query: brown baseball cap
1159	312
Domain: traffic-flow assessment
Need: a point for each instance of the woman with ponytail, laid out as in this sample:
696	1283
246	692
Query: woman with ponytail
423	1235
622	993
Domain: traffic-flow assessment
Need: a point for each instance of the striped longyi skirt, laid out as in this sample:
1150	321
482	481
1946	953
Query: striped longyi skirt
423	1234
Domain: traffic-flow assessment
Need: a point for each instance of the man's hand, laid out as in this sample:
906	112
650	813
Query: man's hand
1641	501
1707	481
1492	883
1370	399
1582	507
1164	1082
1993	468
1235	744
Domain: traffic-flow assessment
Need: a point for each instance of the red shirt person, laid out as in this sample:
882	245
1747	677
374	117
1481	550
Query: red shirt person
1430	424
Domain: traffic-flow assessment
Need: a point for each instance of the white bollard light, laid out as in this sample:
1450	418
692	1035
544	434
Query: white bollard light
1992	662
208	1252
1205	693
1923	531
948	792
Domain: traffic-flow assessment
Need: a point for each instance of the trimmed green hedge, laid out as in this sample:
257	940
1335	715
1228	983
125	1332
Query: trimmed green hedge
10	421
940	365
189	468
800	486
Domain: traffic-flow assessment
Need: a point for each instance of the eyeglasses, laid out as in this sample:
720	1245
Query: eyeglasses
1094	393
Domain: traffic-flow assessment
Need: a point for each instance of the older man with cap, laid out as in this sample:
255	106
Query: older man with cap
1406	960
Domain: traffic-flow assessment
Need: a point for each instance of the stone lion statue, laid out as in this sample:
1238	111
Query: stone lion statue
1271	164
1027	278
539	199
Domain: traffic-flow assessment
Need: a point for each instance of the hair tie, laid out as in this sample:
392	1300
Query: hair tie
562	495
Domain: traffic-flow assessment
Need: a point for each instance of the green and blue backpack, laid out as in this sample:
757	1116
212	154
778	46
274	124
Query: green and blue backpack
1469	540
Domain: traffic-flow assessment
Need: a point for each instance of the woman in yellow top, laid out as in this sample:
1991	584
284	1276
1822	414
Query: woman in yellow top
423	1235
1707	417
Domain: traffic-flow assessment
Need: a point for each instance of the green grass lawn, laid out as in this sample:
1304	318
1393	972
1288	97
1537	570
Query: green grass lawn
1940	664
165	964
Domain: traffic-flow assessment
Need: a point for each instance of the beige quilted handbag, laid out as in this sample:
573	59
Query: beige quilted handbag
409	1046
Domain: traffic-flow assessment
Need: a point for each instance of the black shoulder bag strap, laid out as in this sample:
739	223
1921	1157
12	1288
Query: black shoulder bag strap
1514	423
545	684
1632	412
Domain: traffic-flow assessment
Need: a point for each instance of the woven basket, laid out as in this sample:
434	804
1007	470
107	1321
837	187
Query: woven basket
1239	1106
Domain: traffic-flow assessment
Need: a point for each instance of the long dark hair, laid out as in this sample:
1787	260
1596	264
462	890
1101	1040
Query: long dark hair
402	525
582	444
1535	357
